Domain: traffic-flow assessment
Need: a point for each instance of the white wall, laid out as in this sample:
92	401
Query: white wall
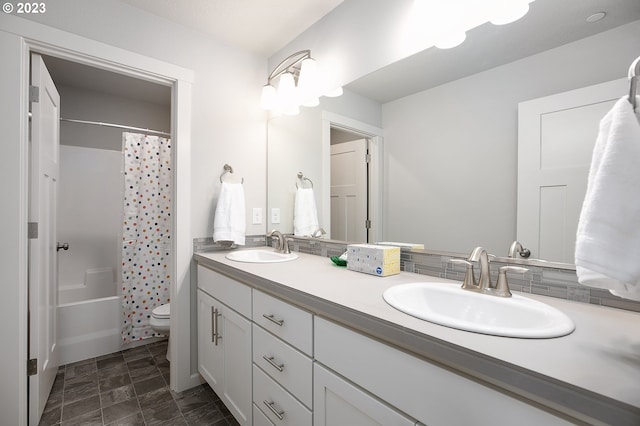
451	151
91	105
13	234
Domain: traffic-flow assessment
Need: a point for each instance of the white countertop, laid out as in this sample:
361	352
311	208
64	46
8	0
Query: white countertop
598	364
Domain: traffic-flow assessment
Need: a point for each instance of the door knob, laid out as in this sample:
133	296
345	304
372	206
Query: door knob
63	246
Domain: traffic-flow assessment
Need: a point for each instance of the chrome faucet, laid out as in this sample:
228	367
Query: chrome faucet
483	284
282	244
516	247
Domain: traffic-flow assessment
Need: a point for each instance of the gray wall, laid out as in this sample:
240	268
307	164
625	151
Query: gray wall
82	104
451	151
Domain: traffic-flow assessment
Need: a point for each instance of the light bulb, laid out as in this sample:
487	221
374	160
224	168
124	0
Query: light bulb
287	94
268	99
507	11
447	40
334	93
308	83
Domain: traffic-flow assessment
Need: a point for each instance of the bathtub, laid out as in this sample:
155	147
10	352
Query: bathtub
89	328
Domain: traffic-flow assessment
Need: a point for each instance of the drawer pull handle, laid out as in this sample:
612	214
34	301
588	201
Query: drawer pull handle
270	405
215	335
270	360
273	320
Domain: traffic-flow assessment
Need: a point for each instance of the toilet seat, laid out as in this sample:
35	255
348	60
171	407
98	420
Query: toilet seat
162	312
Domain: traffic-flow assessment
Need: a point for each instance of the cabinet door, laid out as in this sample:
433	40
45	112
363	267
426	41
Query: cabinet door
338	402
235	339
210	355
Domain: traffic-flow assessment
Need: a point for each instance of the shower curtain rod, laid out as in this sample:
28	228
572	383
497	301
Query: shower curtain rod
119	126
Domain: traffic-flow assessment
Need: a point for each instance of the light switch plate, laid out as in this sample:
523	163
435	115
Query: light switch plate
257	215
275	215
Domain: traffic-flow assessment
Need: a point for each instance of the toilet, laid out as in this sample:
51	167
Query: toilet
160	322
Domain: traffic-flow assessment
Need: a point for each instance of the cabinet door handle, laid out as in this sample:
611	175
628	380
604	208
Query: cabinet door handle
270	360
270	405
273	320
214	313
215	335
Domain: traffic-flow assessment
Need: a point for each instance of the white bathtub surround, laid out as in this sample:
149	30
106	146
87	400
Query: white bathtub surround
89	328
89	219
146	245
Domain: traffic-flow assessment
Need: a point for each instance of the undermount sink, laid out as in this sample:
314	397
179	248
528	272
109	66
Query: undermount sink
449	305
260	256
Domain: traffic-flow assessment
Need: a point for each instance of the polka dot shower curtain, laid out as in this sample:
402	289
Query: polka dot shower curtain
146	238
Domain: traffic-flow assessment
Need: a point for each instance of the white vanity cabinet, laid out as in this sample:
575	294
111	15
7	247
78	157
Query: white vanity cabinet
224	340
338	402
282	361
425	391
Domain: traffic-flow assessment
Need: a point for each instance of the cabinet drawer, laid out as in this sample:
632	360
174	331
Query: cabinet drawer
230	292
285	409
259	418
291	324
297	368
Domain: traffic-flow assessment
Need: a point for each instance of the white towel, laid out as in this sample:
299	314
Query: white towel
229	221
305	215
608	237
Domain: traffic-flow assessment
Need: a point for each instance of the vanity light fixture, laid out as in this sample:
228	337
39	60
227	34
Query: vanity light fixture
506	11
298	85
444	23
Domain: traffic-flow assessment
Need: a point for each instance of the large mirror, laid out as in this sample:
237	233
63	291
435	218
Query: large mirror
442	127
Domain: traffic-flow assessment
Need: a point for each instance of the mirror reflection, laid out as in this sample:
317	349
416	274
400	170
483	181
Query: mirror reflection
443	132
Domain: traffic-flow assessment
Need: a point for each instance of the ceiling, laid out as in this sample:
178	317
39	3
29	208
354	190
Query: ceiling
549	24
259	26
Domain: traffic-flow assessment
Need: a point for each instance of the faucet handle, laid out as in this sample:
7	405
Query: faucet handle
502	286
469	277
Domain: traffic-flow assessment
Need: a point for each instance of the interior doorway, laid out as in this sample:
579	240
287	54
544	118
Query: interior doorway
349	186
84	133
360	163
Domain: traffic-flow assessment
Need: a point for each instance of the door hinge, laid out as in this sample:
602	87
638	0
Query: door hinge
34	94
367	224
367	158
32	367
32	230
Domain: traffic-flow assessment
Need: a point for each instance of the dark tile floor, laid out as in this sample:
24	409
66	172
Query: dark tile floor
129	388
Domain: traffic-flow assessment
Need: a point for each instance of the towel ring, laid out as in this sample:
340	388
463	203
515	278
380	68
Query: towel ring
634	74
228	169
303	178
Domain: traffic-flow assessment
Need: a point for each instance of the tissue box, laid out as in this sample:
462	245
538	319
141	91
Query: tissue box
373	259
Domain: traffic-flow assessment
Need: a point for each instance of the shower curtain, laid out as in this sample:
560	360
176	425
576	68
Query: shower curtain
146	238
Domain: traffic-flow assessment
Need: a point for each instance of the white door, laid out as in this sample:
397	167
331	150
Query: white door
210	354
349	191
556	135
43	286
235	335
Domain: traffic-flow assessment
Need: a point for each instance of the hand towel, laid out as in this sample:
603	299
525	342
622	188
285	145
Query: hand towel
229	221
608	236
305	215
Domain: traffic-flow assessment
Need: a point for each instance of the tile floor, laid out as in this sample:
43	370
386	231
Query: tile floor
129	388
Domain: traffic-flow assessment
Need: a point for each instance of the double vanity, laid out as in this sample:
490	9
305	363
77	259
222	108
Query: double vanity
300	341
